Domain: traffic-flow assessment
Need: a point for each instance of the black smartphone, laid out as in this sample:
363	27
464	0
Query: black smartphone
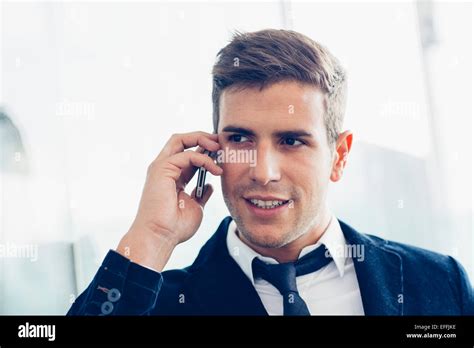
201	181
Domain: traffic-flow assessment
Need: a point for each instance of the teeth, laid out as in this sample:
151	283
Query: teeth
266	204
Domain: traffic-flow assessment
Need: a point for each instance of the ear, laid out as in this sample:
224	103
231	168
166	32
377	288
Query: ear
343	146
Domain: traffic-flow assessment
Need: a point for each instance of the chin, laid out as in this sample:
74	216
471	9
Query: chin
264	236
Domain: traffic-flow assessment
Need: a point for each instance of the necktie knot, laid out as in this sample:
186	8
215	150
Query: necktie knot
283	277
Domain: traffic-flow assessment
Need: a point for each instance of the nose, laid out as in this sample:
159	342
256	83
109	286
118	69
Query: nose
267	168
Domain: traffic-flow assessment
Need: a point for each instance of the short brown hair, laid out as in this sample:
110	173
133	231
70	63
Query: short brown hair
268	56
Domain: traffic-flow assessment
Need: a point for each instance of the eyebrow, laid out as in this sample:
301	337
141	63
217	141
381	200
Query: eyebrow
240	130
293	133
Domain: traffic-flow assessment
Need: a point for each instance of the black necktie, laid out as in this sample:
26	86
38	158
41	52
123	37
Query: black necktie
283	277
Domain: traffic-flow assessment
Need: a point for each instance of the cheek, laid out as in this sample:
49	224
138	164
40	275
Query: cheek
310	177
233	175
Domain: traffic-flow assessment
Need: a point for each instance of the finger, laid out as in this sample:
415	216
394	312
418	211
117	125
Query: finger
185	160
180	142
187	174
200	149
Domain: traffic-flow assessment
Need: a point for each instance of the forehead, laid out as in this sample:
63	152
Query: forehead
280	105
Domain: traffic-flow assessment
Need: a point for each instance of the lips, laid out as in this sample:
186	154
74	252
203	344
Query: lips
267	204
265	198
259	208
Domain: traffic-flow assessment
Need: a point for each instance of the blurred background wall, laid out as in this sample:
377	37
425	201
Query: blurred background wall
91	91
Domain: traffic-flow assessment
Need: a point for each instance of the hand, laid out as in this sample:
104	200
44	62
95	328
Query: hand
167	215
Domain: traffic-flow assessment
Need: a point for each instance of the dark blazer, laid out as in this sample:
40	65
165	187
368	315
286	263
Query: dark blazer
394	279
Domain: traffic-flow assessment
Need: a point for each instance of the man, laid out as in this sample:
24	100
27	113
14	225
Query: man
282	252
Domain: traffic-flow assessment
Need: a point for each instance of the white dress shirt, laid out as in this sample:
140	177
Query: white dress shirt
332	290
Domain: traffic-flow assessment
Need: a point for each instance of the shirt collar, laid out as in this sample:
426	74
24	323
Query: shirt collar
332	238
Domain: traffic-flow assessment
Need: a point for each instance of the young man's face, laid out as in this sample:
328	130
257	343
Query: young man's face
284	124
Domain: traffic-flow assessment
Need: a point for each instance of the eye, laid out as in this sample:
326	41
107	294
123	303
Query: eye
237	138
292	142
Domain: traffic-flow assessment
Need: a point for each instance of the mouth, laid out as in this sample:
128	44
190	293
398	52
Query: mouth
265	207
267	204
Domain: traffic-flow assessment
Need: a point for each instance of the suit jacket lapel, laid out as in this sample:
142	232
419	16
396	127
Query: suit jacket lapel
379	274
217	282
219	286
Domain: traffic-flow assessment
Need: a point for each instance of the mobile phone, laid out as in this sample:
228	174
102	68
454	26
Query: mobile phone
201	181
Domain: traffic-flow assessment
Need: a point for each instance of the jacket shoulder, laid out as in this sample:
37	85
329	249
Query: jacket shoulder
413	253
428	272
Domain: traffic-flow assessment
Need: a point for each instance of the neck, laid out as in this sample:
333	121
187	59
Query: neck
291	251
